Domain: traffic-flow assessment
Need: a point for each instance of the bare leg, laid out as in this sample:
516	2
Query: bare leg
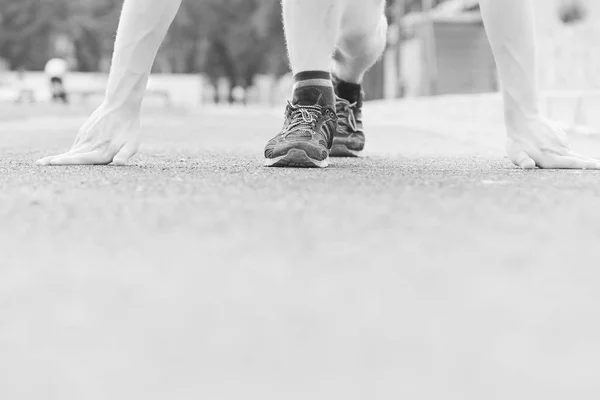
311	28
532	139
362	40
111	133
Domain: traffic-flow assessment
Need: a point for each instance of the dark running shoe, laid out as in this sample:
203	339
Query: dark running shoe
305	139
349	139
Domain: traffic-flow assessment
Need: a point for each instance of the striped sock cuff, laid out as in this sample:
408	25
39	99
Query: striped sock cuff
312	78
313	87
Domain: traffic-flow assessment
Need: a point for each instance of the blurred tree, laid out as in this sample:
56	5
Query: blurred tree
31	31
236	39
90	25
23	32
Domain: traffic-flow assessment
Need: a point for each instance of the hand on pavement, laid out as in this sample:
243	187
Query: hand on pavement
538	142
108	136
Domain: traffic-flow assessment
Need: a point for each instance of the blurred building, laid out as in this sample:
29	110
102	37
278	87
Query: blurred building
438	52
446	51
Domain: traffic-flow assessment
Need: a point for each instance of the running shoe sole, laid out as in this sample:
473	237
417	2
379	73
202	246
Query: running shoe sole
296	158
341	150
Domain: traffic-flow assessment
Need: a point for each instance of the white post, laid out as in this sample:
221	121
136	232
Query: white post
430	48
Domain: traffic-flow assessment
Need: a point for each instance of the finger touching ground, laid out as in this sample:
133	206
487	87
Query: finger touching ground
123	156
89	158
523	160
571	162
46	160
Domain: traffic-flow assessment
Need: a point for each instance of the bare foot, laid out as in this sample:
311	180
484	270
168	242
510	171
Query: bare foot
108	136
538	142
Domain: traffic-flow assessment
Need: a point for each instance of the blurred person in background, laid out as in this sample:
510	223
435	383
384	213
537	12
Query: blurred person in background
25	93
238	93
56	70
343	37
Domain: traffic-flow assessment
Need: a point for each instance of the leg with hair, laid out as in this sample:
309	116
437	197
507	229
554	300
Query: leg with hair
361	42
532	139
311	29
362	39
112	132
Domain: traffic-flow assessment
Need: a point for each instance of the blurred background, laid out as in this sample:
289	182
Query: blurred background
233	51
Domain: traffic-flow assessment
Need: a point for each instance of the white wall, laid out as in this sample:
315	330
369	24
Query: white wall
183	90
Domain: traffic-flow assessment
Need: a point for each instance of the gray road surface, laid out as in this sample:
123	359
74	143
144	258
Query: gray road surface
432	269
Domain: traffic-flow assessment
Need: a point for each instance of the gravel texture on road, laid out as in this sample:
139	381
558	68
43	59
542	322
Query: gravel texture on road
430	269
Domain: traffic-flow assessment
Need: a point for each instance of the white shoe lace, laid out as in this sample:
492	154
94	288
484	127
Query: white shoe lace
347	108
303	117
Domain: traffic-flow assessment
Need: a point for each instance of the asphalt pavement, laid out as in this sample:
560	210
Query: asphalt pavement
430	269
